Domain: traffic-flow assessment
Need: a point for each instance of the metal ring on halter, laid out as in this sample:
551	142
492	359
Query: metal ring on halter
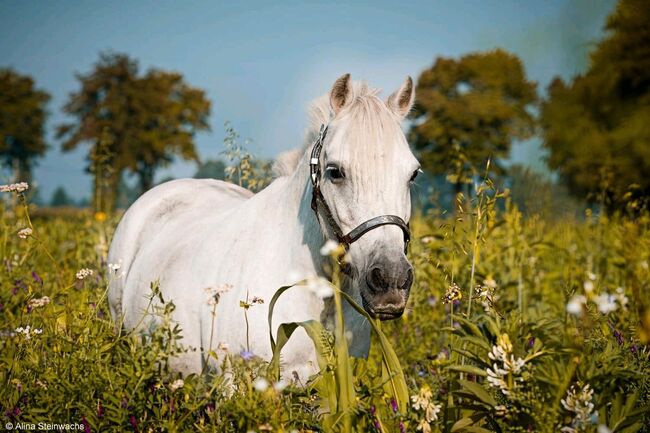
317	198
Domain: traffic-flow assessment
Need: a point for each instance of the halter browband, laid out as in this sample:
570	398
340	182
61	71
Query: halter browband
317	200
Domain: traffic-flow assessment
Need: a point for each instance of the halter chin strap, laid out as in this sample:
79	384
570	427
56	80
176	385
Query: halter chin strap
318	201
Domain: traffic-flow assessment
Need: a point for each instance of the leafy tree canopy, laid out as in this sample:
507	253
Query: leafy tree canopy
469	110
150	118
596	126
22	122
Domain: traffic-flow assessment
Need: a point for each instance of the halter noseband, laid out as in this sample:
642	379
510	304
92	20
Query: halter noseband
317	200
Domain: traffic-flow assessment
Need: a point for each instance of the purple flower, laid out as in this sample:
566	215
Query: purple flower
619	337
86	425
373	410
393	404
37	278
133	422
402	429
100	410
531	342
246	355
124	403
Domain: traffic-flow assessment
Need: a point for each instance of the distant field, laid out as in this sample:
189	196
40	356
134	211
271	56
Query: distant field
552	339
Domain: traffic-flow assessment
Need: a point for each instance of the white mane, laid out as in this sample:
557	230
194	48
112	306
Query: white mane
320	113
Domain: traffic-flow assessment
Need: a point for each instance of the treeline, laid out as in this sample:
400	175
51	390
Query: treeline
469	111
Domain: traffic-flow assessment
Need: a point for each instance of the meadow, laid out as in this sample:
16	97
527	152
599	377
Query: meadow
515	324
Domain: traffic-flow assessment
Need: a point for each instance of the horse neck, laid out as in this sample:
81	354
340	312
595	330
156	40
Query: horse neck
298	193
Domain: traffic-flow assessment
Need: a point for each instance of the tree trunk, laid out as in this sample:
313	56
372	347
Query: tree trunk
458	189
22	171
146	174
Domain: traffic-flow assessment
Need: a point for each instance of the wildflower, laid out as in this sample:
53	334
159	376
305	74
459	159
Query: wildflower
489	282
320	287
215	293
424	426
505	365
422	399
42	385
579	401
588	285
15	187
500	410
422	403
453	293
28	331
37	278
25	233
177	384
330	248
246	355
621	298
576	304
280	385
100	217
260	384
602	428
38	302
606	303
83	273
223	347
114	267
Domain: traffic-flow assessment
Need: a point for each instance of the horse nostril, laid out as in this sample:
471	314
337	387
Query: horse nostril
376	279
408	281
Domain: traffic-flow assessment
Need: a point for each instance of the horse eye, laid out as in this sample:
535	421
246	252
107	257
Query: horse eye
335	173
414	175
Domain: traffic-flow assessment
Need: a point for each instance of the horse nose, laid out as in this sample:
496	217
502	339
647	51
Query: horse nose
385	277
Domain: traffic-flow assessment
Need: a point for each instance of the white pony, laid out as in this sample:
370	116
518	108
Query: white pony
196	236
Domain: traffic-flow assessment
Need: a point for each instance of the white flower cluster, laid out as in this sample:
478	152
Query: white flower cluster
84	273
579	401
177	384
260	384
25	233
28	331
320	287
15	187
605	302
38	302
505	366
422	402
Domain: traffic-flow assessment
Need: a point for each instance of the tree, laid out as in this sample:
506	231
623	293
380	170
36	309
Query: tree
211	169
133	122
60	197
469	111
22	123
596	126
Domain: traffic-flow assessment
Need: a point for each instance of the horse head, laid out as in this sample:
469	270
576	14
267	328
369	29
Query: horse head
362	172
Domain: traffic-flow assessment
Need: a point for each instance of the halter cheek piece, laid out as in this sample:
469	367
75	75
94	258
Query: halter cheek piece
317	200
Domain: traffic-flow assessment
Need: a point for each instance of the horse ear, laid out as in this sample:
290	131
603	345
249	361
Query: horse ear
401	101
340	93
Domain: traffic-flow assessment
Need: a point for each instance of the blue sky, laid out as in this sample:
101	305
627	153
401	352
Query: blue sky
262	62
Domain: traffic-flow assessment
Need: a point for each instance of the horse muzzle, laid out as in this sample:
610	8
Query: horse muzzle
387	288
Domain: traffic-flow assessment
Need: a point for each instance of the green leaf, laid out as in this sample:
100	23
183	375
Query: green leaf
478	391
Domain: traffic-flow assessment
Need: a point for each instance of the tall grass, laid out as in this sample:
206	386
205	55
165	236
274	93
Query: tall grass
556	338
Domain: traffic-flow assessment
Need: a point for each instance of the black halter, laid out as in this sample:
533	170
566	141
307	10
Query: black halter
317	200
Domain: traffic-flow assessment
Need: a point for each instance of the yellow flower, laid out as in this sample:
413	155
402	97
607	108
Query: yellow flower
100	217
